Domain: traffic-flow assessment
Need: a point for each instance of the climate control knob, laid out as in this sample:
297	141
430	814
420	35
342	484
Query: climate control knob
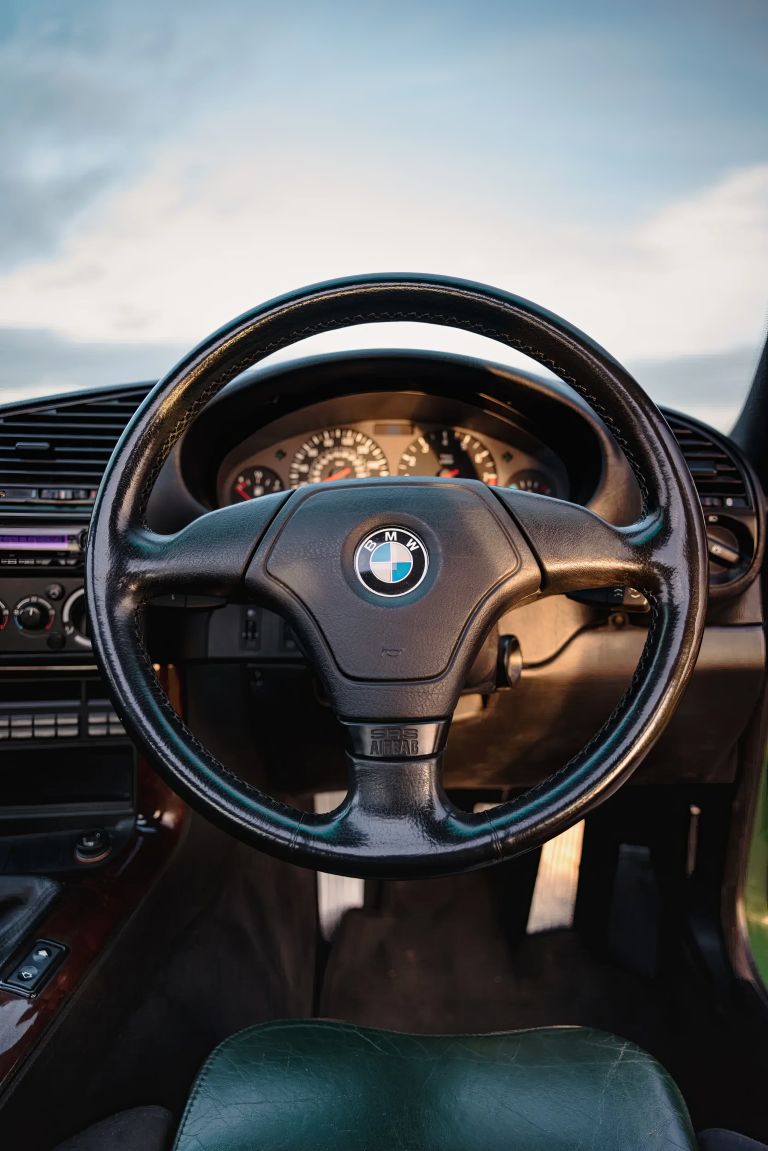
33	614
74	617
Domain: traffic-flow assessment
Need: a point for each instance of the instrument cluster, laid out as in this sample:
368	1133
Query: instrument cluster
390	447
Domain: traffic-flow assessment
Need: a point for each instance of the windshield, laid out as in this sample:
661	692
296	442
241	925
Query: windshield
166	167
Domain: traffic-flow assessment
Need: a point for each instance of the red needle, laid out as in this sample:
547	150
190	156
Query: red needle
339	475
242	492
449	473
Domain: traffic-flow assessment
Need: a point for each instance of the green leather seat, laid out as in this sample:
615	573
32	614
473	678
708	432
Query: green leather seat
321	1086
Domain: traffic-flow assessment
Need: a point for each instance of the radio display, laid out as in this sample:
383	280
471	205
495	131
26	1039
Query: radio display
21	542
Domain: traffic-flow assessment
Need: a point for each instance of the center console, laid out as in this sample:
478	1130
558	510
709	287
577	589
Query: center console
81	815
67	769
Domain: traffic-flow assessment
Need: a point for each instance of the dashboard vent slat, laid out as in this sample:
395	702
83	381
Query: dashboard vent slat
57	451
717	475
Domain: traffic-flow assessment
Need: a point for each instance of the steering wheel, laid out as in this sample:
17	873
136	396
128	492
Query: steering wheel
392	586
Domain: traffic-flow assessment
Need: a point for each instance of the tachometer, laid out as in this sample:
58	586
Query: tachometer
337	454
253	482
449	452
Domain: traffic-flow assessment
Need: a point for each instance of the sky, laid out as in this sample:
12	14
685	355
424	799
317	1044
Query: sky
167	166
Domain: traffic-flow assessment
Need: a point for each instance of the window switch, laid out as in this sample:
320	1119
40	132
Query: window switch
27	978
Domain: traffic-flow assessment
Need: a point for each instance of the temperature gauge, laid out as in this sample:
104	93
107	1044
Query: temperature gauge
531	480
253	482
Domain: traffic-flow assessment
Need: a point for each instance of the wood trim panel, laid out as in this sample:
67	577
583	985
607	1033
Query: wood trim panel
93	907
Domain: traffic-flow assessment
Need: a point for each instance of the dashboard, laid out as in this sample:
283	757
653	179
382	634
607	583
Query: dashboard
242	676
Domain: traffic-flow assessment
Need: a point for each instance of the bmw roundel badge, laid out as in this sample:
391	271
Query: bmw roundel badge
391	561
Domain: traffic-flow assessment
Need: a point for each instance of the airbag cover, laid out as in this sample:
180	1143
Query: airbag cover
473	549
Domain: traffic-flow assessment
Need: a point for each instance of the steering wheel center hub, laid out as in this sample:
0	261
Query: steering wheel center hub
395	580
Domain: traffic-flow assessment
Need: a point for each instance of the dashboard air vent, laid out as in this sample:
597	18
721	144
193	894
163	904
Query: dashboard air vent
56	452
718	477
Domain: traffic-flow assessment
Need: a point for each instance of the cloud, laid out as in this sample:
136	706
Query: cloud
95	90
161	174
38	362
187	245
712	388
598	114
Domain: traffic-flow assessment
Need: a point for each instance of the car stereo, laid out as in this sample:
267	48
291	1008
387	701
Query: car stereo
44	545
42	600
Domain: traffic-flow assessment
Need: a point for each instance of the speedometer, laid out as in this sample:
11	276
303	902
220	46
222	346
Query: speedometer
449	452
337	454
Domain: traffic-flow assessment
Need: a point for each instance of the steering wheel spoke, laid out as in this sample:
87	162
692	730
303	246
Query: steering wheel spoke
577	549
209	555
396	812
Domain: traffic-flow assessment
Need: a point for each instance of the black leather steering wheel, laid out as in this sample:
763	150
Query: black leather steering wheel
392	585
